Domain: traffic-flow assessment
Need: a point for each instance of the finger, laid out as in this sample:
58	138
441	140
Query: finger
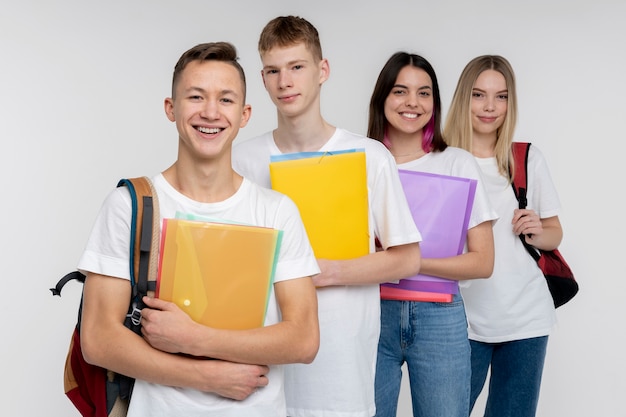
156	303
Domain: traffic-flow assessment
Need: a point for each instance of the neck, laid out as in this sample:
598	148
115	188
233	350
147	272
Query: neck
484	146
405	148
205	184
302	135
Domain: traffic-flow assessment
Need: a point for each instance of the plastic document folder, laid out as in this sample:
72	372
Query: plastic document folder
330	190
441	206
220	274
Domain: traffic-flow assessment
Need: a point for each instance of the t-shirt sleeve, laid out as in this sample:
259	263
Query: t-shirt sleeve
393	222
107	251
542	194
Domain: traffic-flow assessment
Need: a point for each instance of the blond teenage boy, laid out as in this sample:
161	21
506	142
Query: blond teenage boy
340	381
220	372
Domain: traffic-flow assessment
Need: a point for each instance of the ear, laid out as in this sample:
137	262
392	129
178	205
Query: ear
168	105
324	70
245	115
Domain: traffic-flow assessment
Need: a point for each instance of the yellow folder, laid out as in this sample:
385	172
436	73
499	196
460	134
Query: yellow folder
219	273
330	190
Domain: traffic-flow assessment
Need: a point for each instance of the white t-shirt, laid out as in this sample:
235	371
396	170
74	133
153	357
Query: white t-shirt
515	302
340	381
107	253
457	162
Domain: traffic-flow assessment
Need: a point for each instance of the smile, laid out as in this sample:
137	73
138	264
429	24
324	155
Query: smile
209	130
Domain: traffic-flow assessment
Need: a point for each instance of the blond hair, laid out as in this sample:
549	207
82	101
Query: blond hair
458	129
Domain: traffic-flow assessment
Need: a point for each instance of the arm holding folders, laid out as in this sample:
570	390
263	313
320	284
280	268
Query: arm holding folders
441	206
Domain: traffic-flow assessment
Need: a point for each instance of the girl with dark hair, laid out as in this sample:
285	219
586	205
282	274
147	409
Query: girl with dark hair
430	337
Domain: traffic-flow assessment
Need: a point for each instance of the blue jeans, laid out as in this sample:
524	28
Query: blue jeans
515	380
432	339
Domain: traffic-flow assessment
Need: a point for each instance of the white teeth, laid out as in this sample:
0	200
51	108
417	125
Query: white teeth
209	130
409	115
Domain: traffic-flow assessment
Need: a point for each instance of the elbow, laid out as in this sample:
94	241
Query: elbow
309	347
415	260
487	272
89	349
309	355
487	268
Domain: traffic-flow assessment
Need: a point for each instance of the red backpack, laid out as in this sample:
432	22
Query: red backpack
95	391
560	278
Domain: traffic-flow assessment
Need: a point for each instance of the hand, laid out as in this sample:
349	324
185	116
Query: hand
526	222
233	380
165	326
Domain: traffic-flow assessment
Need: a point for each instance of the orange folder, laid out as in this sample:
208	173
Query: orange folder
219	273
330	190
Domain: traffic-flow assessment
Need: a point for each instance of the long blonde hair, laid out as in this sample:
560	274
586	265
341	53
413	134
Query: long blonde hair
458	129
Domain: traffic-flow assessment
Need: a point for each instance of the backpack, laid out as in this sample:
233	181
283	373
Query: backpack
95	391
560	278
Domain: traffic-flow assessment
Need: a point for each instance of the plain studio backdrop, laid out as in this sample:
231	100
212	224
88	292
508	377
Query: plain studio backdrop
83	83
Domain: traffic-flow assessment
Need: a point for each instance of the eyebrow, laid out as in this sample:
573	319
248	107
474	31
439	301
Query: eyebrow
203	91
497	92
424	87
294	62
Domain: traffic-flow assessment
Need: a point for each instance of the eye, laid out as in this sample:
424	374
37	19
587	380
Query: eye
424	93
477	94
227	100
298	67
503	97
271	71
398	92
195	97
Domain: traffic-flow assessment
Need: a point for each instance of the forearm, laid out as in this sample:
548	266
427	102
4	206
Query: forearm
281	343
388	265
550	236
469	265
295	339
477	262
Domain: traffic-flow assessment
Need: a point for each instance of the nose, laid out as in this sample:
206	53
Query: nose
412	100
489	104
210	110
284	80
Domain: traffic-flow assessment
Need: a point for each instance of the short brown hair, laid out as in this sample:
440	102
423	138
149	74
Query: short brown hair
212	51
287	31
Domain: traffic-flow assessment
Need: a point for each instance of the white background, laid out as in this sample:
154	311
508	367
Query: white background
82	85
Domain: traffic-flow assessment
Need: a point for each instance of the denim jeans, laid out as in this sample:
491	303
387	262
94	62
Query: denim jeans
515	380
432	339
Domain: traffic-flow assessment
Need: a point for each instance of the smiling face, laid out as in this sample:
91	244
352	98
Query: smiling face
293	79
208	108
489	104
409	105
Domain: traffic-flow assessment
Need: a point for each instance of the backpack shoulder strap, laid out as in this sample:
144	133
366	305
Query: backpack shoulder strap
144	241
520	184
519	174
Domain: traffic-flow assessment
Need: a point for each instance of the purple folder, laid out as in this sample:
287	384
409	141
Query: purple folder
441	206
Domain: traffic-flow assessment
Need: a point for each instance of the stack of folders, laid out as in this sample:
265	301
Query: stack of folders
220	273
441	206
330	190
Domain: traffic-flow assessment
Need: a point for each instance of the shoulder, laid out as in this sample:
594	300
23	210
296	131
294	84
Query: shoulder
252	143
268	198
536	159
458	153
374	150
